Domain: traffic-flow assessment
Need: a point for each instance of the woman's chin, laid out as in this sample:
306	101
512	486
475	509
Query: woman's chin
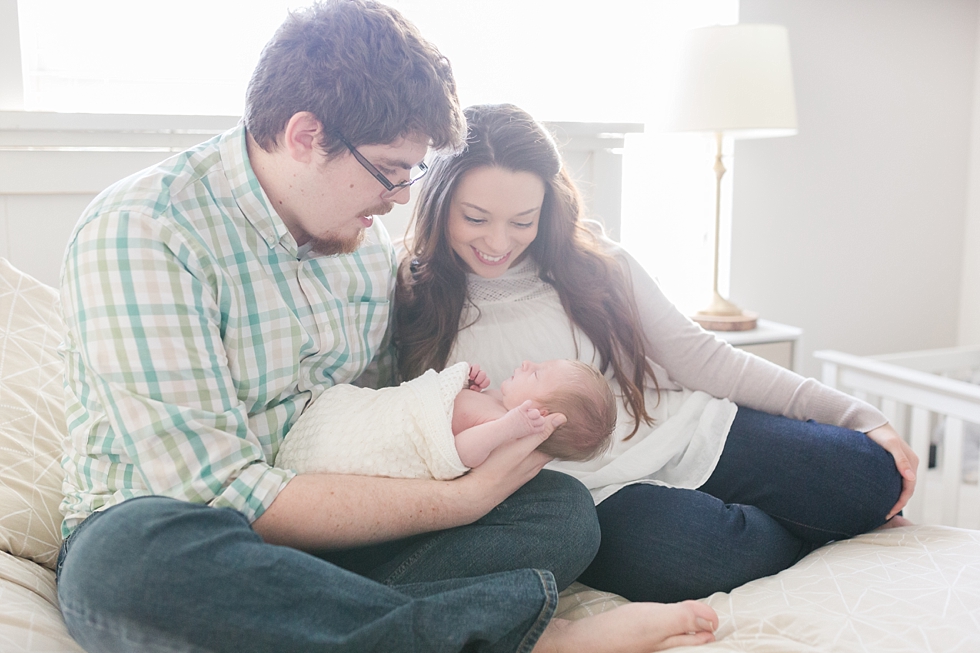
490	272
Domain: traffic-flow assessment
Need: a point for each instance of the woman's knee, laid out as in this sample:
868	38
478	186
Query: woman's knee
865	482
879	484
823	482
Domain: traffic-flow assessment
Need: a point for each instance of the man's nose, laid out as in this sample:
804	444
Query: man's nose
398	195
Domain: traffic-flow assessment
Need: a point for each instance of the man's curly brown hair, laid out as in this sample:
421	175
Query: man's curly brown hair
364	71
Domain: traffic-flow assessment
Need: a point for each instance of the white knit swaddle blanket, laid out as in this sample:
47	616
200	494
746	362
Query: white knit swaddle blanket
402	432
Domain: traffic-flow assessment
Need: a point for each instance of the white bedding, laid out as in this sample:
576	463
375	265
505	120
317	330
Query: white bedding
908	590
29	616
905	590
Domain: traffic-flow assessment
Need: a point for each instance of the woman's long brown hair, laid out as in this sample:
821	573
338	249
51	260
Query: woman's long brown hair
593	288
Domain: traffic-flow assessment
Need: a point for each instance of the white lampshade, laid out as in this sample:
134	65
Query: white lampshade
735	79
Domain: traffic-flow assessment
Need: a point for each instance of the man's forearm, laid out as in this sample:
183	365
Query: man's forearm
328	511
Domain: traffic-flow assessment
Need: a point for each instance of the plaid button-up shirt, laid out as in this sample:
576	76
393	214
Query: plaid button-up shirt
197	332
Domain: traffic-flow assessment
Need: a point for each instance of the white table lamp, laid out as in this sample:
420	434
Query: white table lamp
736	81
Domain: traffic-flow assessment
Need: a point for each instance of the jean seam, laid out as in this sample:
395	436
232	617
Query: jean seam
66	543
815	528
546	613
411	560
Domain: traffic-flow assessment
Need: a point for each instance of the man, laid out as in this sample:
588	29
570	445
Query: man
208	301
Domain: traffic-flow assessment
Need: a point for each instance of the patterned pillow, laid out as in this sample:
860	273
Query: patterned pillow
32	417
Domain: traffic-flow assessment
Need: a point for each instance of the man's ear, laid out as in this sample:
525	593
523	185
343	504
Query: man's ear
302	136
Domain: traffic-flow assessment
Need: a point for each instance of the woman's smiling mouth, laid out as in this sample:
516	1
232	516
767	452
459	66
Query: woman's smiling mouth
489	260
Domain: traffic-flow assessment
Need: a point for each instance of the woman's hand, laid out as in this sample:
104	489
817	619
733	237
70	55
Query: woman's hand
905	461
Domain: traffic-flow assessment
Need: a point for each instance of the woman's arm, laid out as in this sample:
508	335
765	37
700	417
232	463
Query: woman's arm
698	360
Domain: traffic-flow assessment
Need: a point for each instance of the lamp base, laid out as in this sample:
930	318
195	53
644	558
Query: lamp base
742	322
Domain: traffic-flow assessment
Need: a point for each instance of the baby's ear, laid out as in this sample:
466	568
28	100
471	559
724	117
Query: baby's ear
542	410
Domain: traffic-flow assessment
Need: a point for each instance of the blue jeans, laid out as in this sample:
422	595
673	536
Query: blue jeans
155	574
781	489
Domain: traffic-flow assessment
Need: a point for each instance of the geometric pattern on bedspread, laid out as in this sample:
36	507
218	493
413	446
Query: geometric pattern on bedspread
905	589
32	417
29	618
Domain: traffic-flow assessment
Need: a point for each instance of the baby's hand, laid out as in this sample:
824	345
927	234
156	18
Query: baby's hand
525	420
478	379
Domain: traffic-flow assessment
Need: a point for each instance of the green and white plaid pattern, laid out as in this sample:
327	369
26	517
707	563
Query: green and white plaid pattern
198	332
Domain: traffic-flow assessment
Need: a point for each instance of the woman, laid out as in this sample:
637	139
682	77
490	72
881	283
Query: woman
725	467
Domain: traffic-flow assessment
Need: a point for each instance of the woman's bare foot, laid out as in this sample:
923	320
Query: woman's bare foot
895	522
632	628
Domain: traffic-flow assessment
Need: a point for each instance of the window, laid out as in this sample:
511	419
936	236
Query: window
119	56
562	60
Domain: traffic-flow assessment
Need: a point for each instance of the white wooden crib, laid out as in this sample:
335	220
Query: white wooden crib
932	398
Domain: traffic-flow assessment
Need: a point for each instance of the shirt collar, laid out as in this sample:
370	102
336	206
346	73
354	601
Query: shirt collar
249	194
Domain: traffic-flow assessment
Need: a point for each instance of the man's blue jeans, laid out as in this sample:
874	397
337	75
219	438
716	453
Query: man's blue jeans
155	574
781	489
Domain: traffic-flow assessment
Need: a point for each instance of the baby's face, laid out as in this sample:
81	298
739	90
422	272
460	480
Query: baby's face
535	381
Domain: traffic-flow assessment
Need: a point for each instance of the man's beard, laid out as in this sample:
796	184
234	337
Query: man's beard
330	245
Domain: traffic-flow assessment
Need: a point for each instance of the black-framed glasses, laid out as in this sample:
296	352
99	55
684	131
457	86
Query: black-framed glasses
416	173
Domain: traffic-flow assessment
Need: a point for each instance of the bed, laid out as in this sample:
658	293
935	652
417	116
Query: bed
907	589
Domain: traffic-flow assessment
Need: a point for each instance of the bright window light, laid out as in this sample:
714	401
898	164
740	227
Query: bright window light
602	61
561	60
120	56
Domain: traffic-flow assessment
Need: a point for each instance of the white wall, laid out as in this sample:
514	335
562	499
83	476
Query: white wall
11	82
969	331
854	228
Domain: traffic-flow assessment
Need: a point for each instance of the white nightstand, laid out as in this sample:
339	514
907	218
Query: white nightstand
779	343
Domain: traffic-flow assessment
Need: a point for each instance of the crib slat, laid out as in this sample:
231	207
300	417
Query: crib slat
919	441
896	413
952	470
964	402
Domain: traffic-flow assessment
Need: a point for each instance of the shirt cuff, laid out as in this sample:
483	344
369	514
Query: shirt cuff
254	490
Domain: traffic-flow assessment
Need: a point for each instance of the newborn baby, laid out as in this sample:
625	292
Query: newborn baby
441	424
